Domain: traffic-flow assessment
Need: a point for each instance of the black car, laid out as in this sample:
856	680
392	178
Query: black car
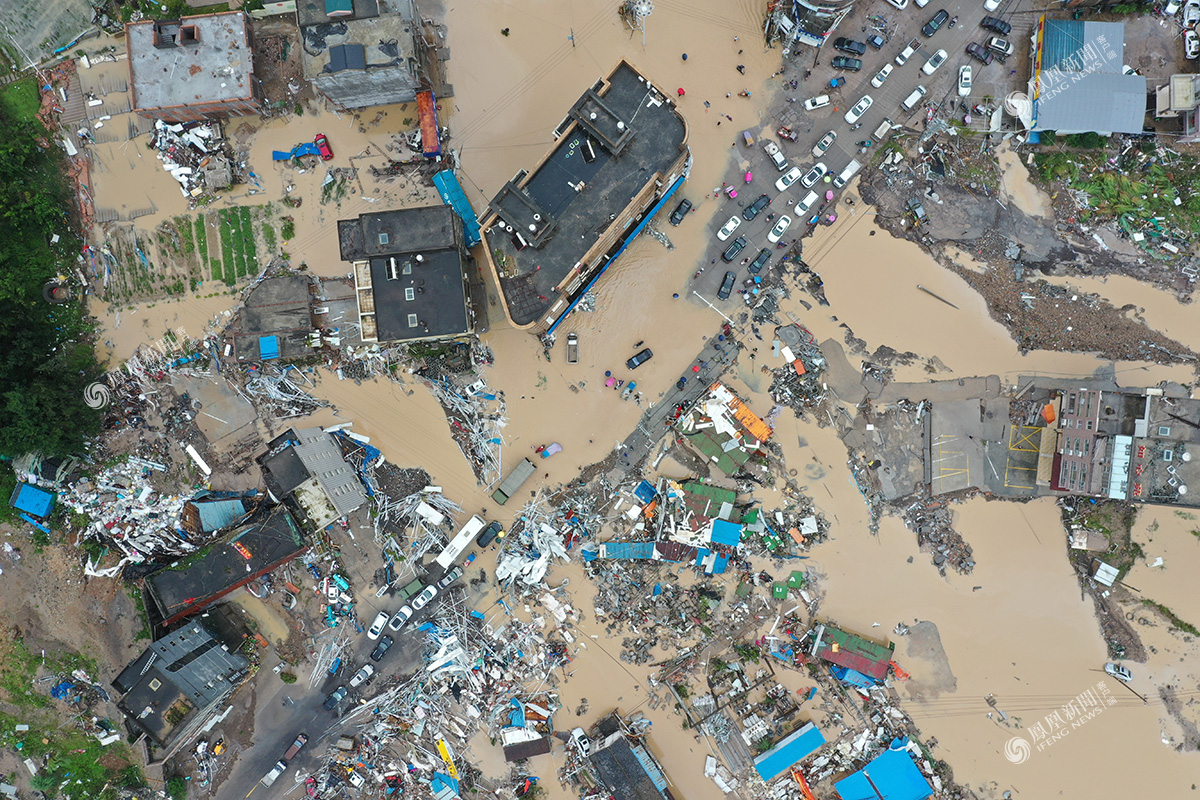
996	25
847	63
760	260
381	648
734	249
490	532
727	285
639	359
875	41
849	46
755	207
335	697
977	52
680	212
932	27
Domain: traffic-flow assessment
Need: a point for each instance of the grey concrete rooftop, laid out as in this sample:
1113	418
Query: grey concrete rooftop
405	230
214	67
588	178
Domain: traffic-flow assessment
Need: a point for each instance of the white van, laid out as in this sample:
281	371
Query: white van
849	172
802	206
911	101
884	129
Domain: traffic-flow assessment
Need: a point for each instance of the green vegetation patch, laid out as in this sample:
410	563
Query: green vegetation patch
21	99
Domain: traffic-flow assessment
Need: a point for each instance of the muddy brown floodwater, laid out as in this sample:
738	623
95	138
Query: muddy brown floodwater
1018	627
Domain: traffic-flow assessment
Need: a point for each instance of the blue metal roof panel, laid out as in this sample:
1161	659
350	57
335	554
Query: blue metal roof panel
217	514
793	748
727	533
32	500
893	775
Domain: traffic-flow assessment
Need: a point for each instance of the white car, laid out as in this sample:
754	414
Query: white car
810	199
964	80
377	626
921	3
1002	46
581	740
991	5
1191	13
786	180
900	4
726	231
780	229
1191	43
907	52
935	61
1118	672
361	676
882	75
860	108
826	142
1172	8
813	103
813	175
401	617
422	600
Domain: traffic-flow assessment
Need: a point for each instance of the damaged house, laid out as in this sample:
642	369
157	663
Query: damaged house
306	468
724	430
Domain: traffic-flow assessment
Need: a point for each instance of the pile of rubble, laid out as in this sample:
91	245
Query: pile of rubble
933	522
798	383
194	155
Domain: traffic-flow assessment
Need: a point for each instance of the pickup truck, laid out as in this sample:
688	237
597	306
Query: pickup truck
275	772
301	740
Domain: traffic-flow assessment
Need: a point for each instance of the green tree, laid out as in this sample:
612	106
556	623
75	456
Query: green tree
47	359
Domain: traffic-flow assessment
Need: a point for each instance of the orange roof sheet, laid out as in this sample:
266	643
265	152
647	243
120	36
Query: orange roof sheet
749	420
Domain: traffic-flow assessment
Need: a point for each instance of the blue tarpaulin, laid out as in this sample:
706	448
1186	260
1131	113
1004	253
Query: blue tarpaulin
517	717
61	690
453	195
32	500
892	775
726	533
268	347
306	149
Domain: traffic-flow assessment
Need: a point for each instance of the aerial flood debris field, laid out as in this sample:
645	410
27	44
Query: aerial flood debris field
872	480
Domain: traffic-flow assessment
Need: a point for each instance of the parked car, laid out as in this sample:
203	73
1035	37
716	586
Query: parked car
1172	8
918	210
935	23
362	676
935	61
922	3
310	786
323	147
846	63
777	156
492	531
760	260
727	285
787	179
1191	43
450	577
1002	46
1118	672
964	80
376	628
991	5
849	46
400	617
980	54
422	600
813	175
300	741
734	250
900	4
729	227
875	41
755	208
882	75
860	108
381	649
823	144
813	103
907	53
680	212
781	226
639	358
275	772
335	697
581	740
810	200
996	25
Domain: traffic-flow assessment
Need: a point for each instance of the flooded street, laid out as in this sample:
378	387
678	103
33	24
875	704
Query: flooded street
1018	627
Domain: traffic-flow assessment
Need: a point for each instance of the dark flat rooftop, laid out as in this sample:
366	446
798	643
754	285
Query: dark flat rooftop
405	230
277	307
224	565
439	298
621	771
567	220
312	12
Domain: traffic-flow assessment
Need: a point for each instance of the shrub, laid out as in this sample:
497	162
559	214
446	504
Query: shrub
287	677
177	788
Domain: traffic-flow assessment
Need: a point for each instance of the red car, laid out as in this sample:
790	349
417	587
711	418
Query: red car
323	145
310	784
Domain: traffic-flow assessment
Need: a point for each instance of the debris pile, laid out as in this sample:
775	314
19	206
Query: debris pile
933	523
798	383
194	155
476	418
271	387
